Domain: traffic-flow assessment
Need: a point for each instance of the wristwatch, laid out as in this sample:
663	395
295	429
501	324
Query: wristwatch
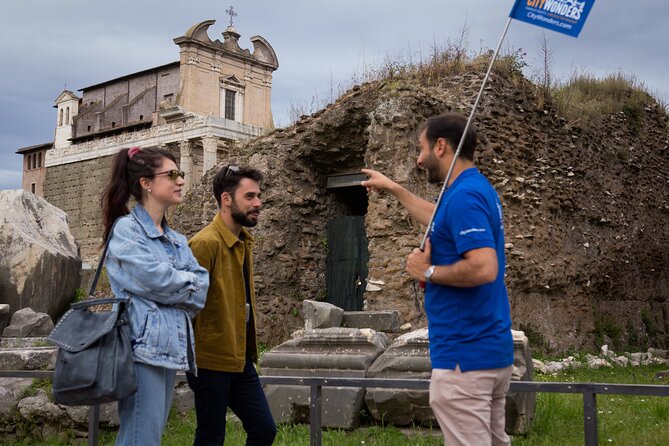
428	274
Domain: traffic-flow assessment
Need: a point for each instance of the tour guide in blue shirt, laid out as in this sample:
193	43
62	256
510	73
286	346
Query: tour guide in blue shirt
467	305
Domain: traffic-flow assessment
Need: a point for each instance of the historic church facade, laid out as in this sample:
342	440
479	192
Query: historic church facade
198	107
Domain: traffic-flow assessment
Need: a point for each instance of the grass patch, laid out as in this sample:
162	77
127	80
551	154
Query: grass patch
37	385
584	98
622	419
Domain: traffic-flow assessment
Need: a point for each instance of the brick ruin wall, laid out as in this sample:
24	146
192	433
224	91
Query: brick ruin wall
76	188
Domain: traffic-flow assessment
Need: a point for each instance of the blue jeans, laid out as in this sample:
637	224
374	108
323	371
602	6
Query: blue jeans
144	414
216	391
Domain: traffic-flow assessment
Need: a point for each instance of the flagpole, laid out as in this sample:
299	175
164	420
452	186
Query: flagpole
462	138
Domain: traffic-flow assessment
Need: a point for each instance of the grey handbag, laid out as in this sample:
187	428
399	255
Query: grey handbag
94	364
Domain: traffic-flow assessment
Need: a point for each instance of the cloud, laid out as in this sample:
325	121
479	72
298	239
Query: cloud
10	179
320	45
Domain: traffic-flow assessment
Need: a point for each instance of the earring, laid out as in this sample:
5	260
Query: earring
148	190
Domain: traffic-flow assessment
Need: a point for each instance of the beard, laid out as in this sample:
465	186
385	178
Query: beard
433	169
247	219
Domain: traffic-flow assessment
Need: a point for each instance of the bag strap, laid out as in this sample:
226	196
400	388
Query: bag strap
101	262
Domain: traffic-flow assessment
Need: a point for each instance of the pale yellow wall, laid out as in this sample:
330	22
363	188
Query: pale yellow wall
201	74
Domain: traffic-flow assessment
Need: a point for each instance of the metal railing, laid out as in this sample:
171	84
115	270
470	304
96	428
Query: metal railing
588	390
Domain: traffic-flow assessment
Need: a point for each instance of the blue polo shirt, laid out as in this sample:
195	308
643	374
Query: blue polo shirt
469	326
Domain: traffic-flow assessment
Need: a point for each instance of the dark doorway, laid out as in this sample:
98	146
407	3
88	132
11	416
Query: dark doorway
348	254
346	273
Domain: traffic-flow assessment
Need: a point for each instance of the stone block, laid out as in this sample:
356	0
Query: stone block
11	390
40	266
520	406
401	407
36	341
321	315
40	407
330	352
386	321
658	353
4	316
408	357
108	414
33	358
290	404
539	366
26	322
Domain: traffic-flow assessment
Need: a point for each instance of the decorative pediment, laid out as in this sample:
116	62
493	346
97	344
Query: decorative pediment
263	53
199	31
66	95
231	80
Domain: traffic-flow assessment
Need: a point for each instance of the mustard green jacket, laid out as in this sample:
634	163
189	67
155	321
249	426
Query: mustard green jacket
220	328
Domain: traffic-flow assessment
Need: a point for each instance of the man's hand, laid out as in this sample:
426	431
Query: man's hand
419	261
377	181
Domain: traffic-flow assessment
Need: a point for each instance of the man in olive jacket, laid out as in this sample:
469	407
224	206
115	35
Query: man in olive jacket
225	330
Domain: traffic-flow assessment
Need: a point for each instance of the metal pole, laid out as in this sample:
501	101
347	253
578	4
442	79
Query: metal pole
315	432
590	418
93	425
464	133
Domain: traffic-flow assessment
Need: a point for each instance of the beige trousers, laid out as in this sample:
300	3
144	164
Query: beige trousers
470	405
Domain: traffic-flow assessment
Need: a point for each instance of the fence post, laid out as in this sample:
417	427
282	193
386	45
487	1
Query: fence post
315	431
93	425
590	417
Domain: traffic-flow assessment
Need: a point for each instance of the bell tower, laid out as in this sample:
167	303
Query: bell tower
67	104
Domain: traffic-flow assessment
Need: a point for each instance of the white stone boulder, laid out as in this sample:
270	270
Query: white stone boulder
40	266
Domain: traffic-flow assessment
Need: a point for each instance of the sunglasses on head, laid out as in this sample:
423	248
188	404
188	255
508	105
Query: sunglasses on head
231	168
173	174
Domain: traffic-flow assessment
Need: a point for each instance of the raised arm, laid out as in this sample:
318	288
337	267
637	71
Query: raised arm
419	208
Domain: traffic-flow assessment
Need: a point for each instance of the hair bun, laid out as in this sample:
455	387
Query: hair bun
133	151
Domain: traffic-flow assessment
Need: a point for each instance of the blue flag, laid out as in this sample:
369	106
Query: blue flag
563	16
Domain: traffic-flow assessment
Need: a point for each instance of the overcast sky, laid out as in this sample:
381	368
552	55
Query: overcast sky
47	44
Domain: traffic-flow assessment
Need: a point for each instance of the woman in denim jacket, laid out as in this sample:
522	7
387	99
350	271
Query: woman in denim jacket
153	266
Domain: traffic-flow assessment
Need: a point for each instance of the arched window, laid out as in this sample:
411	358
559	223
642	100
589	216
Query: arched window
60	117
67	116
39	159
33	162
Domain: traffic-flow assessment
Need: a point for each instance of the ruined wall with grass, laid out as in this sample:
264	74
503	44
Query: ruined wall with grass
586	203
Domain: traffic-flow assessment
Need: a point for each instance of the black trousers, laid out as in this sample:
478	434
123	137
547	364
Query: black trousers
216	391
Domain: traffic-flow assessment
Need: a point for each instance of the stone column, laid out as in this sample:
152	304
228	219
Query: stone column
210	147
186	163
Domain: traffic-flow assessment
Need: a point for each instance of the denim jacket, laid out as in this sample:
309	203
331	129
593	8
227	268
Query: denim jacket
167	287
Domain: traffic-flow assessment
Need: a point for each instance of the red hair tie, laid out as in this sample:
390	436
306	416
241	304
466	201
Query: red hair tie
133	151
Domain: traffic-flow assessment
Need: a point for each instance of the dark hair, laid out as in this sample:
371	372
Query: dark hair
450	126
128	166
228	177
